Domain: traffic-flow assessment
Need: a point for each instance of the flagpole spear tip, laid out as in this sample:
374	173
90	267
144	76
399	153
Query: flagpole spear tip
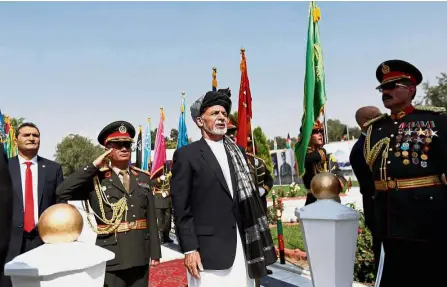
214	69
242	50
148	119
183	93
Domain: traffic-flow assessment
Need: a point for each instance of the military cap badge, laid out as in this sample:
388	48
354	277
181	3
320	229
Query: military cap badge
122	129
385	69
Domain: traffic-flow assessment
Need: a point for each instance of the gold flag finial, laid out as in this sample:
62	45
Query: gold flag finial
316	13
148	120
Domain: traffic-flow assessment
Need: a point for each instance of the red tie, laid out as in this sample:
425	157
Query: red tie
29	200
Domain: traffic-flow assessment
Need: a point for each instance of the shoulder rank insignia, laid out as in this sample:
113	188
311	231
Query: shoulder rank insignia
438	110
370	122
134	169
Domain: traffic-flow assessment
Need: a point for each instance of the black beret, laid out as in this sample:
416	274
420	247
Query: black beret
397	70
119	131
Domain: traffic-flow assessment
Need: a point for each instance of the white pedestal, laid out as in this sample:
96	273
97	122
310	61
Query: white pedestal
87	234
330	234
71	264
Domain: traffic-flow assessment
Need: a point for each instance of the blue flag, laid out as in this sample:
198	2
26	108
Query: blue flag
147	146
182	139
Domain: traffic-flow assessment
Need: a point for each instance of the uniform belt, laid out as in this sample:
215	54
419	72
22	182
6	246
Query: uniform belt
406	183
127	226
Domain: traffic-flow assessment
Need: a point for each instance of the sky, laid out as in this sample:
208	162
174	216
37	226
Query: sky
76	67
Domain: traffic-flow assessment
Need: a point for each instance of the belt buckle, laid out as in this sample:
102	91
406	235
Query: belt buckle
132	225
391	184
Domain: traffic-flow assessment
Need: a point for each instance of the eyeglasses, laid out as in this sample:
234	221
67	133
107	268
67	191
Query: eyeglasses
119	145
390	86
314	132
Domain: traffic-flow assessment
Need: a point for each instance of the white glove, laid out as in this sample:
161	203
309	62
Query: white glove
261	191
163	177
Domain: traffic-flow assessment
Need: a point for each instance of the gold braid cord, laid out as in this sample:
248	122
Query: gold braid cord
118	209
439	110
371	154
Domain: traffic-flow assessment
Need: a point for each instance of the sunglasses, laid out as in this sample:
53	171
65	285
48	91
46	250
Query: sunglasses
314	132
391	86
119	145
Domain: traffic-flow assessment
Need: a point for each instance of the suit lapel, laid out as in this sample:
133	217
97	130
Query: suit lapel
117	182
211	159
233	178
16	178
41	173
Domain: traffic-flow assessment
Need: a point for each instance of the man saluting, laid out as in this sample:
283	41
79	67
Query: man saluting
122	200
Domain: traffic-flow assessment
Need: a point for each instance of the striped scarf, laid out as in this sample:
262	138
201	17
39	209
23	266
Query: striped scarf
257	240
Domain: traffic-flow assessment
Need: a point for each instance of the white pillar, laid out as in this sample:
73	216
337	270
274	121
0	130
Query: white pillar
71	264
330	235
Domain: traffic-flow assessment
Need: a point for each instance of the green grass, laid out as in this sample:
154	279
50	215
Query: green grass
292	237
302	192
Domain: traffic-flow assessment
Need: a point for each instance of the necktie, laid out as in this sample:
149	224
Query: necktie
125	179
29	199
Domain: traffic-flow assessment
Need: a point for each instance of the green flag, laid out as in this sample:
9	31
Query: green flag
314	87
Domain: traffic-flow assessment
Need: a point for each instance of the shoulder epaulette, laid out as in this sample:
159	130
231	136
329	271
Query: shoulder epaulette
438	110
368	123
140	170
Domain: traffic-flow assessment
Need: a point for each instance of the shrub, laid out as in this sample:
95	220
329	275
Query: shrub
364	267
280	192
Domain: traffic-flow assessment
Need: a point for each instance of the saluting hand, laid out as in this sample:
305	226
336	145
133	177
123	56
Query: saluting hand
101	160
193	263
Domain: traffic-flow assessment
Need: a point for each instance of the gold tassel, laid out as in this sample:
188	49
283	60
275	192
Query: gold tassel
316	14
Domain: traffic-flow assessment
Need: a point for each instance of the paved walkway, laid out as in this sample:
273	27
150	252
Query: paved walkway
286	275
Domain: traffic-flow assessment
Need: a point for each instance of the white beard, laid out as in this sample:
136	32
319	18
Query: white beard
216	131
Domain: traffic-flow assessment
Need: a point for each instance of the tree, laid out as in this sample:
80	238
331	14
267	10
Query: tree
233	118
76	151
174	135
16	122
436	95
335	130
263	148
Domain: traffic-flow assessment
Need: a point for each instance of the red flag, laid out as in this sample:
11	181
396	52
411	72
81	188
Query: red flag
159	148
244	110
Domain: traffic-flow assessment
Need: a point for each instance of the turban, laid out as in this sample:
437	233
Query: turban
210	99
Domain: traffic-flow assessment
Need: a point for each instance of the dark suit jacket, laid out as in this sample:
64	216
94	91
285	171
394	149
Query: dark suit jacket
135	247
49	177
365	179
205	213
6	208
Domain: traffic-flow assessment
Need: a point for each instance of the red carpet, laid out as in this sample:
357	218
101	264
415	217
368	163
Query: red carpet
168	274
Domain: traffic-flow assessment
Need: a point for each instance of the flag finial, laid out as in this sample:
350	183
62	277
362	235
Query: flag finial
148	120
242	50
214	82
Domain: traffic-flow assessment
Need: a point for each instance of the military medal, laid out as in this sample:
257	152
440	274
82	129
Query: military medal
415	160
416	147
423	164
405	146
397	154
428	140
406	161
424	157
405	153
414	154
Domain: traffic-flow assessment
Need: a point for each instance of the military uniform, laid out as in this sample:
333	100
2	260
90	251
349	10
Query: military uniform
163	206
318	161
407	154
125	216
261	176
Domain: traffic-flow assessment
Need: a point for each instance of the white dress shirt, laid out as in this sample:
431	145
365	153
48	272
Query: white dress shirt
34	171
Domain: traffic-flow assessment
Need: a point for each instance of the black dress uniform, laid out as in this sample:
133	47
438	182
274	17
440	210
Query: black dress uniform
407	154
132	235
317	161
261	176
163	206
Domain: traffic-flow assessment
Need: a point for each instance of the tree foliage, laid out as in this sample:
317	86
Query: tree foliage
16	122
76	151
436	95
263	148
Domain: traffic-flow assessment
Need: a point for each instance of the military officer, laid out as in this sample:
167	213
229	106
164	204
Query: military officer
318	161
122	200
259	172
163	205
407	154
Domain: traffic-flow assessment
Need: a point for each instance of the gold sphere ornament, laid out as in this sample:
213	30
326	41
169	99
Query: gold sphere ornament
60	223
325	185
